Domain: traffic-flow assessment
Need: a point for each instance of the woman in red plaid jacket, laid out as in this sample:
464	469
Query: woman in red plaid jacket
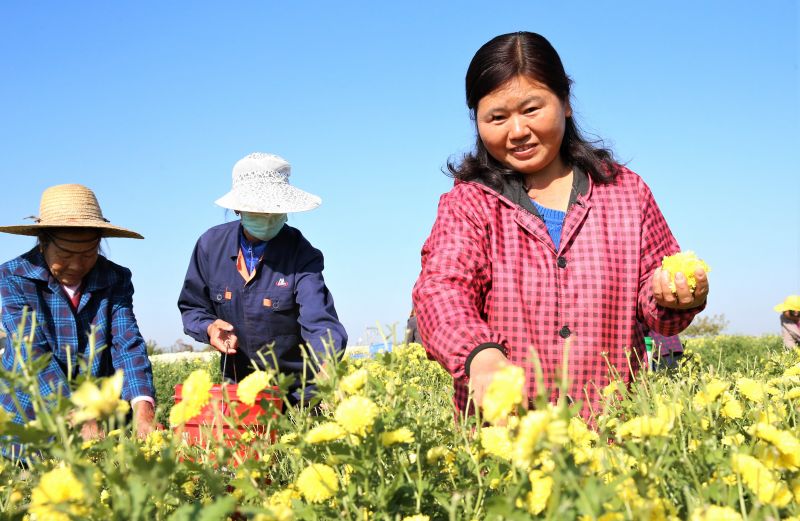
543	242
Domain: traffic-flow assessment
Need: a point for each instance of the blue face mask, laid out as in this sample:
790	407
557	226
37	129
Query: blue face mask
263	226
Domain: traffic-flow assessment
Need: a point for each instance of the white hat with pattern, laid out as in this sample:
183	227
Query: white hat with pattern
261	185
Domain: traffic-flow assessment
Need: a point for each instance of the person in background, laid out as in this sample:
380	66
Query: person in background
412	331
74	290
544	242
254	288
790	321
667	351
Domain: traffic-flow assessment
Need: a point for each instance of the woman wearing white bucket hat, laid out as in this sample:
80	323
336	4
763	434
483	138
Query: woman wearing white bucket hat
74	289
254	288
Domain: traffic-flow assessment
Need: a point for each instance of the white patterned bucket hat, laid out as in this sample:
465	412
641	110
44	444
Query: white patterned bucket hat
261	185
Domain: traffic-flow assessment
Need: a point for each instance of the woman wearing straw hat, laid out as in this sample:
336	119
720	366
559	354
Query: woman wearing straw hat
790	321
74	290
254	288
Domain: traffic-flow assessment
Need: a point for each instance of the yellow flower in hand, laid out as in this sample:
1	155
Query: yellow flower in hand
685	262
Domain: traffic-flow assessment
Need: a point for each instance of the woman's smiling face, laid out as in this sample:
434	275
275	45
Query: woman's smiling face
521	124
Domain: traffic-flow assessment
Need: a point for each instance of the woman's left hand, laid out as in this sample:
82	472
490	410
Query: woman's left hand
683	297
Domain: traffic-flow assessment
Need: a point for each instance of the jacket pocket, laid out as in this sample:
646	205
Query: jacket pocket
222	300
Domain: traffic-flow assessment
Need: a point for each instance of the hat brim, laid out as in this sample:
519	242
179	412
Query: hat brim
105	229
281	199
780	308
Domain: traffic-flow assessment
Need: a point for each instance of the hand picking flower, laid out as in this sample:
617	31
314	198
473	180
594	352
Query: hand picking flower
685	262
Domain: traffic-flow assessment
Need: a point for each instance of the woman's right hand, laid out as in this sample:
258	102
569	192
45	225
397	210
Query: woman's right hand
222	338
481	371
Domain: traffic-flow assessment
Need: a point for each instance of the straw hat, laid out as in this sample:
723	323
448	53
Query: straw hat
70	206
261	185
792	303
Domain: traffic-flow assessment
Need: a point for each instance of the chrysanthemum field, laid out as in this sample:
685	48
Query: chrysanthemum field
716	439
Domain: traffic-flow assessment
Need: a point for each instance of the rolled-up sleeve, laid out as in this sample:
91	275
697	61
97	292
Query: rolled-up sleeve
657	242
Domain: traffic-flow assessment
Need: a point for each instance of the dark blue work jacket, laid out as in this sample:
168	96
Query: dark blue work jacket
284	305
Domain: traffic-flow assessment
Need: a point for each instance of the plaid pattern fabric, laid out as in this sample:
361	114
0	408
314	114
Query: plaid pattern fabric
106	304
490	274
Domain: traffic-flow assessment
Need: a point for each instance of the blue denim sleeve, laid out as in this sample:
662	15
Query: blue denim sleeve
128	349
51	379
319	323
194	303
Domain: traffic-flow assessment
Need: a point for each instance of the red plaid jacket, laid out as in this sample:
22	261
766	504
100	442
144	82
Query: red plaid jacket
490	275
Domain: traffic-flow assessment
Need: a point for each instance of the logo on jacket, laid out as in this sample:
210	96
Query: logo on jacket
281	283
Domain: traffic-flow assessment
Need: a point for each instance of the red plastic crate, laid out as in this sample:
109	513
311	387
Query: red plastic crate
225	414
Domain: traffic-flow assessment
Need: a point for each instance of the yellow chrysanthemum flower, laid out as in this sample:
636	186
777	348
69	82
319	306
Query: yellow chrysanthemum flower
733	440
353	382
751	389
401	435
251	385
793	371
715	513
356	414
496	441
579	433
685	262
438	453
643	427
760	480
180	414
614	387
692	445
317	482
96	403
731	407
503	394
784	441
195	396
283	497
325	432
532	428
58	496
417	517
792	394
541	488
709	393
288	438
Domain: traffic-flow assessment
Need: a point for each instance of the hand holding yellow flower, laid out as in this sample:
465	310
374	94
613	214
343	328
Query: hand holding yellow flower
685	262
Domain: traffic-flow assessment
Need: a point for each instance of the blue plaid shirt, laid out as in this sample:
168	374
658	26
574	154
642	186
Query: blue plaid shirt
106	302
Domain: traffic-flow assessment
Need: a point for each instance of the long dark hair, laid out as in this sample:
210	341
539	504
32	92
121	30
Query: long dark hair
527	54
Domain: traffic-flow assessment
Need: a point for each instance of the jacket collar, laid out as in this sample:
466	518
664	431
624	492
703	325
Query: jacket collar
513	190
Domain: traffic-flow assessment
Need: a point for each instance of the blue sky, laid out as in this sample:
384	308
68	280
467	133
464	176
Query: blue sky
151	103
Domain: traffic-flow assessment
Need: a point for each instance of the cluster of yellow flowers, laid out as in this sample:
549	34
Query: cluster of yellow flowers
685	262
